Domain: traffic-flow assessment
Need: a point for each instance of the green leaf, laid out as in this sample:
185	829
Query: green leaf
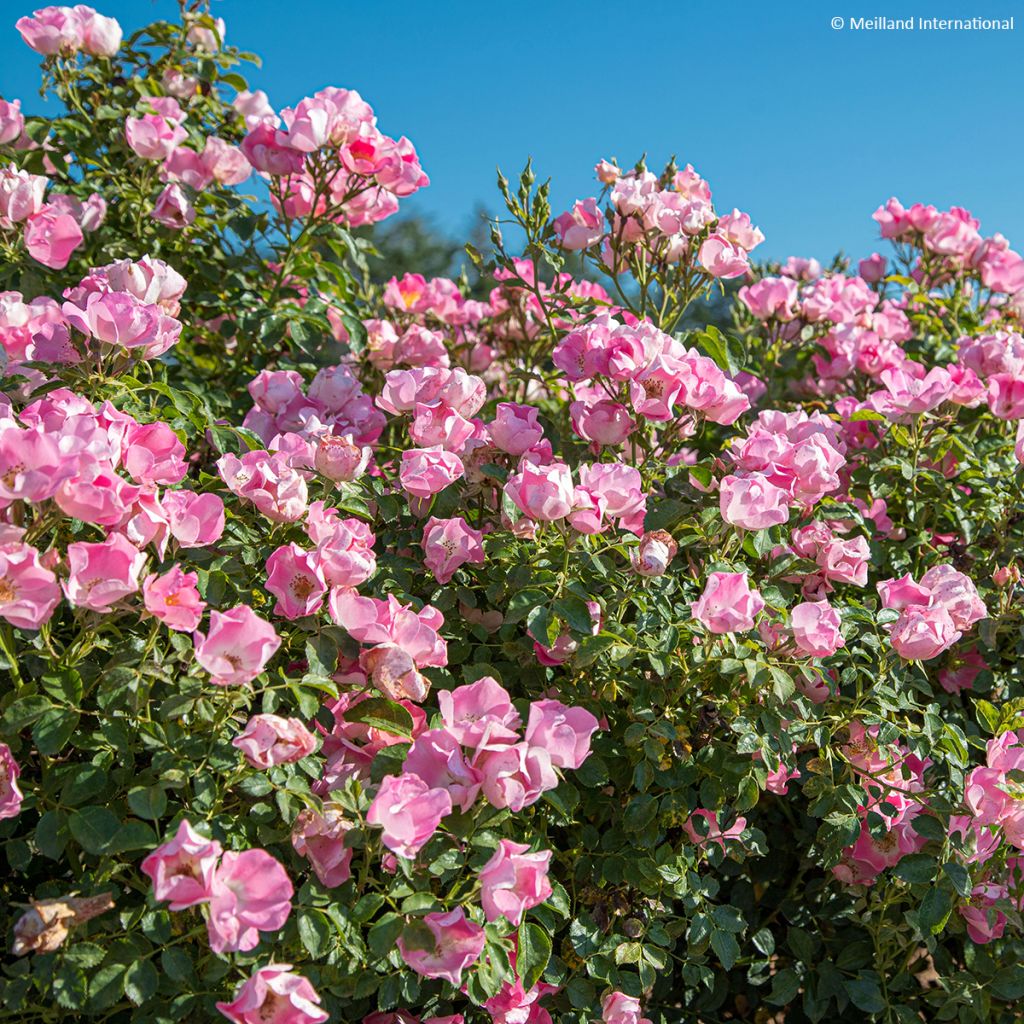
935	910
315	932
988	716
177	965
381	713
94	829
865	993
148	801
106	986
574	611
726	948
782	683
785	986
959	876
381	937
917	868
534	953
1008	983
141	981
25	711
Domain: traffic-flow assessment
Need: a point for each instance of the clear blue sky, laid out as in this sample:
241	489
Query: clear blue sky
805	127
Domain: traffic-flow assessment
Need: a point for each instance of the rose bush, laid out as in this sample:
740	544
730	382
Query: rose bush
397	653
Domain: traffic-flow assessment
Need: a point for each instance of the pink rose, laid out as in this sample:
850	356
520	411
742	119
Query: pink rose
51	236
174	599
581	227
515	776
21	195
28	590
340	459
564	732
450	943
101	36
181	870
618	1008
425	471
104	573
728	605
195	520
479	711
274	995
250	893
320	838
269	739
449	544
268	481
173	209
53	30
409	812
436	757
543	493
237	646
153	454
655	553
225	163
723	259
513	881
153	136
12	121
10	795
921	633
752	502
296	579
815	626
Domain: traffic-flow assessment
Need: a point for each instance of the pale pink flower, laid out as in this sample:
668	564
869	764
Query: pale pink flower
425	471
250	893
449	544
543	493
268	740
320	838
29	592
296	579
618	1008
563	732
479	711
436	757
728	605
340	459
655	553
173	209
237	646
815	626
268	481
102	574
274	995
21	195
457	943
174	599
181	869
722	258
514	776
752	501
409	813
10	795
194	520
513	881
51	236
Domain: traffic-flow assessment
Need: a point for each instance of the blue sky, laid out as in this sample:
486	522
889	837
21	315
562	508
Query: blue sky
807	128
